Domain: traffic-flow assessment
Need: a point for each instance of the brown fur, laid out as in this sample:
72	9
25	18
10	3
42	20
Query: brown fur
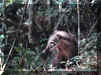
65	47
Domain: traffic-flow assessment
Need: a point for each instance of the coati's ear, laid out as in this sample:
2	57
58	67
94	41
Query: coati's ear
72	37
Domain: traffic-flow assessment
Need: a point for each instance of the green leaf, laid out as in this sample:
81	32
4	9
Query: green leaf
2	36
29	52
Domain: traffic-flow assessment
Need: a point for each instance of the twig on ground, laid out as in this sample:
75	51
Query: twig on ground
3	68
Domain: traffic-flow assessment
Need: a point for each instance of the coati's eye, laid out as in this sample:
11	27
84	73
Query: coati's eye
52	44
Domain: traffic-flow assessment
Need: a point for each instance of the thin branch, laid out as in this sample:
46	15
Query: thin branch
92	28
5	20
60	19
78	12
22	16
8	55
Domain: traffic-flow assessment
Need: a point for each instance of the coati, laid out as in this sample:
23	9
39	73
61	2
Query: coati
61	46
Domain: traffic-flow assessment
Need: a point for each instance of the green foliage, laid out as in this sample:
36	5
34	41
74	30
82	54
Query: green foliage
2	37
26	56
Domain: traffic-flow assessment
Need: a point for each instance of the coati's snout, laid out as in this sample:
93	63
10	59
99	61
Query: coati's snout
45	53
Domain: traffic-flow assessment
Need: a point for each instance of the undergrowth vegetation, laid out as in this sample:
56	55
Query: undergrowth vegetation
25	29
